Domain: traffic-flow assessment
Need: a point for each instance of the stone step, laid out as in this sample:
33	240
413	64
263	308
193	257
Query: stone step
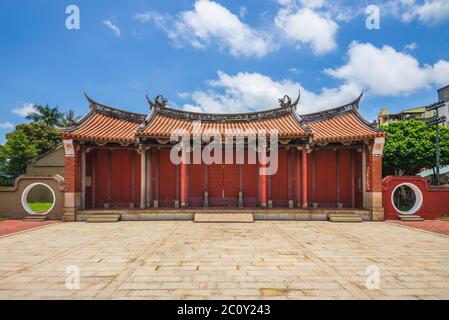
337	217
411	217
35	218
103	218
224	217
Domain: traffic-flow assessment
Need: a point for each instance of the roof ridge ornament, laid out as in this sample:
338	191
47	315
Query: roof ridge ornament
285	101
160	101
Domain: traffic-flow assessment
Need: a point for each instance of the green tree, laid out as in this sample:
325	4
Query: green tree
26	142
410	147
46	115
69	119
16	152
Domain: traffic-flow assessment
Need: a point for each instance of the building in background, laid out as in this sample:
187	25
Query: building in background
429	175
384	116
419	113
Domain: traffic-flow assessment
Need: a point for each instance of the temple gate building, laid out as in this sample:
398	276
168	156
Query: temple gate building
116	159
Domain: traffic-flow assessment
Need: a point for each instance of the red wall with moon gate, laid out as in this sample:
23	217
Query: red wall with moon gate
435	199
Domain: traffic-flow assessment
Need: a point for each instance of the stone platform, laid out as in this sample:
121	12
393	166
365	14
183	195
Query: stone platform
169	214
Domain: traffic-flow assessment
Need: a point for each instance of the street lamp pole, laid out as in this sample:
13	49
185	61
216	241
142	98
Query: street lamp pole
437	146
436	120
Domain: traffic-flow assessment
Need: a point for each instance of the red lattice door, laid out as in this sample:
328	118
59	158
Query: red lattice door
223	185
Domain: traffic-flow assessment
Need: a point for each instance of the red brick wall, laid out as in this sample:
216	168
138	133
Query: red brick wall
70	174
375	174
435	199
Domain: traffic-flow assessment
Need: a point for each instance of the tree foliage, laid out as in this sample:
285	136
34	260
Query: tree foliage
410	147
25	143
69	119
46	115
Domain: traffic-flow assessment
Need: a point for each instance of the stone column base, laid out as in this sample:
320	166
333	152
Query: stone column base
377	214
69	215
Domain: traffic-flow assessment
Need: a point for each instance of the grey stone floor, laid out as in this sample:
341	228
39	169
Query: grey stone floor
261	260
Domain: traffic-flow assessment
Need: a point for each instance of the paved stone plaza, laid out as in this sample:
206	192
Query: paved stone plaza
184	260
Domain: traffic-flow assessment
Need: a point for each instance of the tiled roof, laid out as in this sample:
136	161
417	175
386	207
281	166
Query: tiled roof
101	127
343	127
164	126
104	123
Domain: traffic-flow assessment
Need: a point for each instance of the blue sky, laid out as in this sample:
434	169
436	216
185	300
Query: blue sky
221	56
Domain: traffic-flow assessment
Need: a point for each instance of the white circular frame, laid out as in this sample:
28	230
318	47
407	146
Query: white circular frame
25	199
418	194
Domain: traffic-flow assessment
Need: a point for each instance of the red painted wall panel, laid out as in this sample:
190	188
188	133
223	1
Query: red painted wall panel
196	184
88	195
279	181
358	180
101	178
325	177
250	176
121	178
346	175
167	180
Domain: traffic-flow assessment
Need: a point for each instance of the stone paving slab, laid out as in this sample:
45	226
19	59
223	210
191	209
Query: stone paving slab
262	260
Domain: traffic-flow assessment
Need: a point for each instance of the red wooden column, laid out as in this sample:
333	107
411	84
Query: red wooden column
183	180
263	180
304	177
298	177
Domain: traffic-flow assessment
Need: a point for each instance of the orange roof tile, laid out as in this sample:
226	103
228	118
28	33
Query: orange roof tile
164	126
342	127
101	127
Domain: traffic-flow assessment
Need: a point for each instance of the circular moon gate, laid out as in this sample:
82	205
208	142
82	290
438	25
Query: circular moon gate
406	198
26	193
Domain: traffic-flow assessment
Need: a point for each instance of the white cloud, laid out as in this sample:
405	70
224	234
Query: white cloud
6	125
411	46
24	109
305	26
295	70
426	11
433	11
384	71
242	11
246	92
115	29
209	22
